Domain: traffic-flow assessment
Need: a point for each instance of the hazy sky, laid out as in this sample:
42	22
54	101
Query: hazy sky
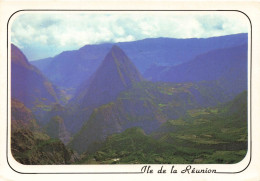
41	35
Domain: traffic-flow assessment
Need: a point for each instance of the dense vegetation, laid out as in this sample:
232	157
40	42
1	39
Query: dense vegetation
210	135
37	148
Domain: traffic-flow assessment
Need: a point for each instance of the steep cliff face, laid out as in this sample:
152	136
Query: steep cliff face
31	148
30	145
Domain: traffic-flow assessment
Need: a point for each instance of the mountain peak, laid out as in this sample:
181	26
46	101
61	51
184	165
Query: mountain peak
118	56
115	74
115	48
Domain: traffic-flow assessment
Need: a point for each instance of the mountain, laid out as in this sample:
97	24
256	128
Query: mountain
28	84
30	145
115	74
205	136
70	68
228	66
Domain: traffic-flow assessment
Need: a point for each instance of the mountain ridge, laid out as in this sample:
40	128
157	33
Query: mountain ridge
143	53
213	65
28	84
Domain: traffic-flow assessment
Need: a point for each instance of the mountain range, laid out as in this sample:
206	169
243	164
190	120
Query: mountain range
170	102
208	66
143	53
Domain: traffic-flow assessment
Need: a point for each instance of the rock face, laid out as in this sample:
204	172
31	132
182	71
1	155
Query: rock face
30	148
28	85
29	145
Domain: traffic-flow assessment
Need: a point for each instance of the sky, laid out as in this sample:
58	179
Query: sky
46	34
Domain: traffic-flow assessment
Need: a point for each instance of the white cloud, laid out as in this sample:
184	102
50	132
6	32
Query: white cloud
124	39
72	30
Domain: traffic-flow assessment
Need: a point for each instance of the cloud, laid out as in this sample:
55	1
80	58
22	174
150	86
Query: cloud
50	33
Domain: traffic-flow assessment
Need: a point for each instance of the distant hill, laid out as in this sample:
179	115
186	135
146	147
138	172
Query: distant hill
228	63
70	68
